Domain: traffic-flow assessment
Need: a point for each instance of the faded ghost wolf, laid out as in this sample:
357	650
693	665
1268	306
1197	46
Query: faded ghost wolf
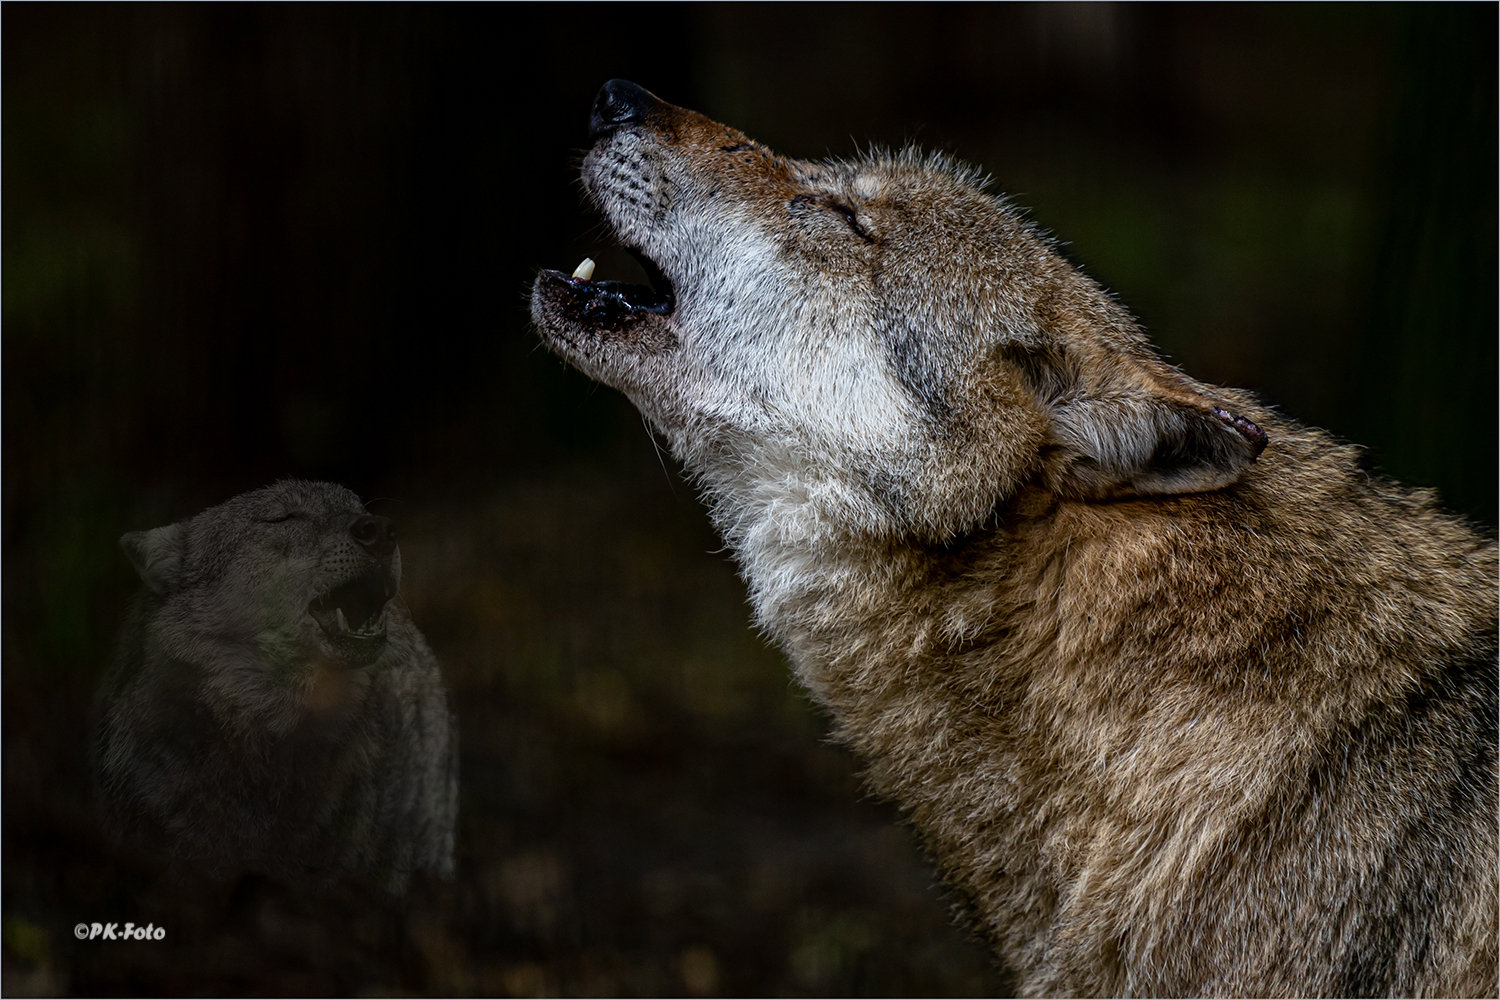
1181	701
271	705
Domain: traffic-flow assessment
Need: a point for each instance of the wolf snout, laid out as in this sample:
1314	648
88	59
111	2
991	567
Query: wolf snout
620	102
375	534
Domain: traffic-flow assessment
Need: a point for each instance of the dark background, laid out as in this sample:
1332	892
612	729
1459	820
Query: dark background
246	242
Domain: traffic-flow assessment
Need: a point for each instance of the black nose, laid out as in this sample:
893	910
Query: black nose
377	534
620	102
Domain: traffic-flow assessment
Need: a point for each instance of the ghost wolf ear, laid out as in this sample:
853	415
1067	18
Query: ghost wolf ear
1150	439
156	556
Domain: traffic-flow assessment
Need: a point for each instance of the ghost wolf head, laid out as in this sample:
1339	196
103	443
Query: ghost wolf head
872	347
293	574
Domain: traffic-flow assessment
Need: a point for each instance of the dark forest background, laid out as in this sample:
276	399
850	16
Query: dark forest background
248	242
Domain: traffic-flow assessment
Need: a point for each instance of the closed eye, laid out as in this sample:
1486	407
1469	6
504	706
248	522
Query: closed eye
848	214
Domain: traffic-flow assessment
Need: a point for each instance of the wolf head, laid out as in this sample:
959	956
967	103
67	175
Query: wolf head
291	574
868	347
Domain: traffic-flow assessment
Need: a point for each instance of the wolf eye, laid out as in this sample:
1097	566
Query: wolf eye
285	515
848	214
803	201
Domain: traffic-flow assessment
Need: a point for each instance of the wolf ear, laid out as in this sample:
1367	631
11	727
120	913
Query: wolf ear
1151	441
156	556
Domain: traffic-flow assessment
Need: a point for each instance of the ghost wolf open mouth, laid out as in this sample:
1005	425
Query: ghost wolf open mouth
353	615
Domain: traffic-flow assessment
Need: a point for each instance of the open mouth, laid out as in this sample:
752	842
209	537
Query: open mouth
353	615
614	303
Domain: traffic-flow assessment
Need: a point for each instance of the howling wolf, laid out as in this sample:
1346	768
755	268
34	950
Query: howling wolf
271	705
1181	700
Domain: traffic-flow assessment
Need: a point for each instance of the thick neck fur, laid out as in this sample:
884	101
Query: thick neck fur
1061	700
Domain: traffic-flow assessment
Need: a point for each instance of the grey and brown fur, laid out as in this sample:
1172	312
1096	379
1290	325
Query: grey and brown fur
271	705
1182	701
